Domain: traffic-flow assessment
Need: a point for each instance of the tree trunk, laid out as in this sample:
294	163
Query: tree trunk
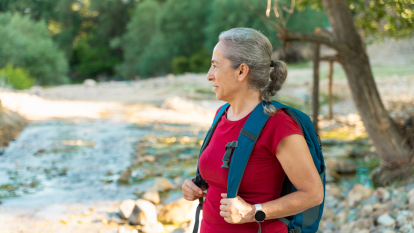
384	134
330	116
315	91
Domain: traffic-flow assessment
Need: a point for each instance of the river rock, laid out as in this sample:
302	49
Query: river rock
337	153
341	166
153	228
409	187
401	219
410	194
333	191
385	220
357	193
152	196
179	181
125	208
411	203
147	158
382	194
366	210
363	223
178	212
161	184
89	83
144	213
125	175
1	150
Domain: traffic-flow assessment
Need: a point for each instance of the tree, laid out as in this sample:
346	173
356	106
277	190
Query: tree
140	30
395	152
27	44
158	32
227	14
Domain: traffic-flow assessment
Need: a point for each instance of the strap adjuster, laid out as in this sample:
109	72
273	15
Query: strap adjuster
227	154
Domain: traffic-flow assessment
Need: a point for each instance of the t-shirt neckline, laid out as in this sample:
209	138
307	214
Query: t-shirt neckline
234	122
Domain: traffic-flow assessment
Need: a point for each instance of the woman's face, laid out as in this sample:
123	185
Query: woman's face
224	77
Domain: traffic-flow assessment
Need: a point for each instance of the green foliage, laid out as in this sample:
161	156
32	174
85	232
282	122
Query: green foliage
227	14
200	62
158	33
180	65
379	18
18	78
27	44
91	58
140	33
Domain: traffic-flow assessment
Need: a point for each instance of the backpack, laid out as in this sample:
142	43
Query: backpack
307	221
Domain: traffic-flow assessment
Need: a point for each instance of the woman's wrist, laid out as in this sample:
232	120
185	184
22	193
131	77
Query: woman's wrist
250	215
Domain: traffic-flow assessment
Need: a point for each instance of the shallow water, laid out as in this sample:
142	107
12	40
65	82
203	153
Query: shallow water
64	161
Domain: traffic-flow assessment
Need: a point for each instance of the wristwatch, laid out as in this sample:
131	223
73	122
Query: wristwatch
259	214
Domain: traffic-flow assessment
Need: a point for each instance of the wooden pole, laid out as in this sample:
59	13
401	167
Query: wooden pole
331	62
315	94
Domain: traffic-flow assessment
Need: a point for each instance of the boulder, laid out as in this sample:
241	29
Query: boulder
152	196
357	194
178	212
144	213
161	184
153	228
125	208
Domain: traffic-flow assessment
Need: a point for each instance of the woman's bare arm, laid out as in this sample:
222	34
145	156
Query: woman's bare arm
296	160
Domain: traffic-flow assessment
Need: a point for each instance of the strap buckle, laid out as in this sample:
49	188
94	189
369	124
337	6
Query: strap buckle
227	154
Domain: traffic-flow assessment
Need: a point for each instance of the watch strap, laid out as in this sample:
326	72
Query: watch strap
258	207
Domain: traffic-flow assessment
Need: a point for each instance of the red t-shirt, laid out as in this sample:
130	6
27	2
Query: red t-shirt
262	180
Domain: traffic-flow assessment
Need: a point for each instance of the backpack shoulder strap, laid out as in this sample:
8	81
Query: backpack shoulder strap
213	127
199	181
246	141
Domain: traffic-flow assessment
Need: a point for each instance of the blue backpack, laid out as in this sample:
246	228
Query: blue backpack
307	221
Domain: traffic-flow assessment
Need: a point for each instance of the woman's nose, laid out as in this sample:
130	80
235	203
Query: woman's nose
210	75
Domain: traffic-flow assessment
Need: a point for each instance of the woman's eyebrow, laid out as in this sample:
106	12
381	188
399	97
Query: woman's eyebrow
214	61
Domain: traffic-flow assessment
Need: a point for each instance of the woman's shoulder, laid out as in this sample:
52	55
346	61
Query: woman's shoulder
281	121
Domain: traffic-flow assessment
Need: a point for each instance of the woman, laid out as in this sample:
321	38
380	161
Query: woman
240	76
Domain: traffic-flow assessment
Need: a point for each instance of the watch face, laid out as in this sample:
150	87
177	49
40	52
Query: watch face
260	216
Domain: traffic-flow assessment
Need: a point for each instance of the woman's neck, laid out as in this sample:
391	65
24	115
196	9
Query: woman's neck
242	104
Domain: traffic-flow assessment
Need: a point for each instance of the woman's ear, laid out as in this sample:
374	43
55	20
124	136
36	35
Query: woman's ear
242	70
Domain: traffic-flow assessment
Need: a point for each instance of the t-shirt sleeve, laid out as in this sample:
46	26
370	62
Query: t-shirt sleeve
284	126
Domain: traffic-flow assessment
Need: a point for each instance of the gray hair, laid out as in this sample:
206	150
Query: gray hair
249	46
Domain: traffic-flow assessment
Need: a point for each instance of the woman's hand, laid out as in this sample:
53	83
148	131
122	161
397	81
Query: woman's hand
191	191
236	210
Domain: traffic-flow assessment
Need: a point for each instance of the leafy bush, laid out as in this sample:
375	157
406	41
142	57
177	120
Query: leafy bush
159	32
18	78
180	65
27	44
200	62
